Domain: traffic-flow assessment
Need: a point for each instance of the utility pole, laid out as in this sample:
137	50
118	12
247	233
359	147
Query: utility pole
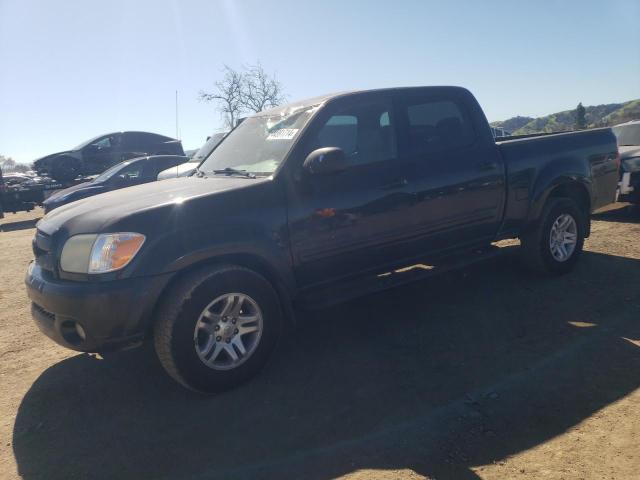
177	132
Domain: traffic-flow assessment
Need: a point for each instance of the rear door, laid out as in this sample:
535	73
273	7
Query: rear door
456	174
342	224
134	144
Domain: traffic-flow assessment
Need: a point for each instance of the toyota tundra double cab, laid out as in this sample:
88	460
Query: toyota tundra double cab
308	204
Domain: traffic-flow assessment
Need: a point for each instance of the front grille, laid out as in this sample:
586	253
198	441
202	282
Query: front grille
42	250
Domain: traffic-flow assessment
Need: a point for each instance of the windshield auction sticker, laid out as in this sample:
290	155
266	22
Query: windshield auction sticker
283	134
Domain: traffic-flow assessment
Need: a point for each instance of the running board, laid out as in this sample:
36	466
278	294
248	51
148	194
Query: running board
320	297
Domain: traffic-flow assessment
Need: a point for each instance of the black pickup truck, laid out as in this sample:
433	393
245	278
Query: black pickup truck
310	203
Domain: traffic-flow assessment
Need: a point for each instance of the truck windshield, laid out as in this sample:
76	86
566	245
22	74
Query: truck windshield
260	143
627	134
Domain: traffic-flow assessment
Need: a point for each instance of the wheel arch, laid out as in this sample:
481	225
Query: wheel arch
282	286
568	188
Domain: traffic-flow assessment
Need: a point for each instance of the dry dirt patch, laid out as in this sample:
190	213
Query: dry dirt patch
485	373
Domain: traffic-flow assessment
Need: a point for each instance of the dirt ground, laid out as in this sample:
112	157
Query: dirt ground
488	373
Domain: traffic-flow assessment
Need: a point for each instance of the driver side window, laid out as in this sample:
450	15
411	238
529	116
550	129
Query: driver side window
364	132
103	143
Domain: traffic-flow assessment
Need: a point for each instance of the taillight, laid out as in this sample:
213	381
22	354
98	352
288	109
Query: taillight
618	160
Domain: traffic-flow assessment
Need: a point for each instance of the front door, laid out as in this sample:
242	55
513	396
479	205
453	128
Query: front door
343	223
102	154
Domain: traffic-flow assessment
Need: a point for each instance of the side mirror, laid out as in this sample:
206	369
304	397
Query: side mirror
326	160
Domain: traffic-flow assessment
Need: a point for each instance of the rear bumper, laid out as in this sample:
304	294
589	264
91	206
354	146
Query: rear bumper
93	316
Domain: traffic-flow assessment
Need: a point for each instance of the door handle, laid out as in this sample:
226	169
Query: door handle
488	166
395	184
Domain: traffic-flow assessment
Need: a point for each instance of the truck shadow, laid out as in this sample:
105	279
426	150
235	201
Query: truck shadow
22	225
437	377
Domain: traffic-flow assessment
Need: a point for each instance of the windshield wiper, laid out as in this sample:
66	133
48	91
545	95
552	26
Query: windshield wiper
235	171
200	174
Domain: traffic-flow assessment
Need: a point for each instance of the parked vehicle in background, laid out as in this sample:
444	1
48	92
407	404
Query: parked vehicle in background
186	169
310	203
21	192
96	155
125	174
13	179
499	132
628	136
3	189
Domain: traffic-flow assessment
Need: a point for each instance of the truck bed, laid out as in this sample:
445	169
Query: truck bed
531	160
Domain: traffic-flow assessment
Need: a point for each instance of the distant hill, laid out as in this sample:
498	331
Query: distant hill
513	124
597	116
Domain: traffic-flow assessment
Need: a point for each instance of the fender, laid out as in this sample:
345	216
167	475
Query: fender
548	181
268	260
44	163
254	251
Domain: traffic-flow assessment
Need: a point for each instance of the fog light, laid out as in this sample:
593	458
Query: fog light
80	331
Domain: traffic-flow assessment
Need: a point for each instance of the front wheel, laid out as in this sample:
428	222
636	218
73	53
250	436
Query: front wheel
217	328
555	243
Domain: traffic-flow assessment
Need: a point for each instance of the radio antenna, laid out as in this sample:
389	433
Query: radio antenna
177	131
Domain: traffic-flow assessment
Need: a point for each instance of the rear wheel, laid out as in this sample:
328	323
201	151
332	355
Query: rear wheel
217	328
555	243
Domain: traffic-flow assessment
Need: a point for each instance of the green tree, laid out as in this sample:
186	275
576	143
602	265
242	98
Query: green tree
581	119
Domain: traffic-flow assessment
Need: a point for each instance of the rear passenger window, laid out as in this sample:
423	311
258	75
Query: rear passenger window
434	125
364	133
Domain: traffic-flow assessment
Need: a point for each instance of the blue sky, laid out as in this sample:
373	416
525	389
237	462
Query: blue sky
74	69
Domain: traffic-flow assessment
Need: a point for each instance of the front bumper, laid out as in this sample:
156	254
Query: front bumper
112	315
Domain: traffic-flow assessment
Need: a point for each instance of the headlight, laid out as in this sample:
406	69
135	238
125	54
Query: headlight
631	164
100	253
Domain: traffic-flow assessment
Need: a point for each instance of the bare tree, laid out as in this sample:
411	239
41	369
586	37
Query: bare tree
7	164
249	90
21	168
228	95
260	90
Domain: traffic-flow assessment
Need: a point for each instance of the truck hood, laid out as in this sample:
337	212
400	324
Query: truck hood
628	151
95	214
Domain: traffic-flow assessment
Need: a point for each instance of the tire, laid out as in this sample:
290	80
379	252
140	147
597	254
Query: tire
182	349
537	252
